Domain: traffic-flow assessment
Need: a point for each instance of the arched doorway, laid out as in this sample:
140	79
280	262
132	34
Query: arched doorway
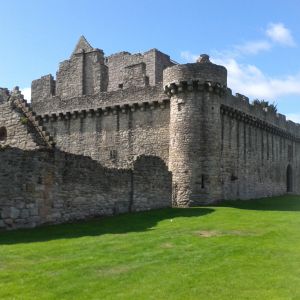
289	179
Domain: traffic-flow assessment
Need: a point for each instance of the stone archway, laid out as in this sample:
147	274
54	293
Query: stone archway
289	179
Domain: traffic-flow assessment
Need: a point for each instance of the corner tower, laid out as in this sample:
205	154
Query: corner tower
196	91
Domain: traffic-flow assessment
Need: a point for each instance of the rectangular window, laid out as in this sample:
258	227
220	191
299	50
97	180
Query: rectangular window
113	154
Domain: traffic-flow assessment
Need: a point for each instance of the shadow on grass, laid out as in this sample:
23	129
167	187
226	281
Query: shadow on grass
281	203
125	223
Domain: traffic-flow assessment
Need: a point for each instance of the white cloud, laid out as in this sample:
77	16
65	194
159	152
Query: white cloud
295	117
278	33
188	56
27	93
251	81
253	47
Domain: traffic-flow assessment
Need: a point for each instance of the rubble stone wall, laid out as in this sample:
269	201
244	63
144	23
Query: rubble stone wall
16	129
47	187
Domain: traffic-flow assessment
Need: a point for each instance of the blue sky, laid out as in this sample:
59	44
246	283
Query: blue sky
258	41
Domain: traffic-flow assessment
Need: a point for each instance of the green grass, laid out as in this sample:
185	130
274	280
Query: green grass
241	250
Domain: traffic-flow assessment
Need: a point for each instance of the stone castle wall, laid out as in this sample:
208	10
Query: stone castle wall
46	187
120	109
258	149
114	136
185	126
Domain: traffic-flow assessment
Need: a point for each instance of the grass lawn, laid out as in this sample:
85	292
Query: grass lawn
241	250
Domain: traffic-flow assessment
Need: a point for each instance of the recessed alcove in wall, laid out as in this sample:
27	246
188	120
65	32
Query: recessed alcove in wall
3	134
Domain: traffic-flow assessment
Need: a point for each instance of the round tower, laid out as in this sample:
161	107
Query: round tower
196	92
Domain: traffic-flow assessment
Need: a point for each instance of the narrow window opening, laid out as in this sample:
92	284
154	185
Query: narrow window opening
202	181
289	179
233	177
113	154
3	134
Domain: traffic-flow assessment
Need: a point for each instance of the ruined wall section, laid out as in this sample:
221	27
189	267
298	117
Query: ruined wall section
152	181
4	95
88	77
135	76
43	89
69	77
95	73
19	126
48	187
83	74
16	133
155	62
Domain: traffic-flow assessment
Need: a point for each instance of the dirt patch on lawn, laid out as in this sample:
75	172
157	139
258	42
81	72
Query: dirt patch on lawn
116	270
212	233
167	245
208	233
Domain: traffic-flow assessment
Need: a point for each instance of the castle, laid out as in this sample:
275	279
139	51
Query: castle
132	132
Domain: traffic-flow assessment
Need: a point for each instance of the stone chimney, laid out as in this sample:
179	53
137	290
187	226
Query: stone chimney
203	59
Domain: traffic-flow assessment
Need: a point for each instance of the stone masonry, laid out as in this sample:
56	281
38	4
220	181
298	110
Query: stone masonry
129	132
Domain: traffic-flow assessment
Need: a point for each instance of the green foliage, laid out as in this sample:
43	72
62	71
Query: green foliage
241	250
265	105
24	120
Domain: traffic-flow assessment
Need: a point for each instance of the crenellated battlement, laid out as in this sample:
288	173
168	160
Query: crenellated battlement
105	110
241	103
194	85
201	71
288	132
